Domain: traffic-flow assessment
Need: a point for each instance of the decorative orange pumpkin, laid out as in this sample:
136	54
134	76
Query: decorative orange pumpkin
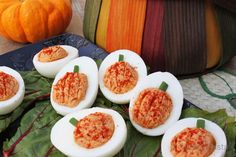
33	20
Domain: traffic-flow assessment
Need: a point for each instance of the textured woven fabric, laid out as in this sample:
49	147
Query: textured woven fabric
125	25
213	40
92	8
213	91
101	33
227	24
185	37
153	36
227	4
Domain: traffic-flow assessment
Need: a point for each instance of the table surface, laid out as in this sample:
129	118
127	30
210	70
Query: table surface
74	27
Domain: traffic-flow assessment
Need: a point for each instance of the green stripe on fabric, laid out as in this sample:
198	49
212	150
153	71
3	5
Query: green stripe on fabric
227	24
91	14
185	37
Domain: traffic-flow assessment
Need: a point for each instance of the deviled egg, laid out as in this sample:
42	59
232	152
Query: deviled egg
50	60
75	87
156	103
94	132
194	137
12	90
119	73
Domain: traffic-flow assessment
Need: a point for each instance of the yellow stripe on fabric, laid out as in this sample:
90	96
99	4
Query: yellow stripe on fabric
213	36
101	33
125	25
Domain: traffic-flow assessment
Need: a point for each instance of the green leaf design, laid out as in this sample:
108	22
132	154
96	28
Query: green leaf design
98	62
138	145
101	101
231	97
33	135
37	88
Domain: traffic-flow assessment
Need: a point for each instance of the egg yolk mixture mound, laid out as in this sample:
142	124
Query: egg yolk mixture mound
71	89
94	130
152	108
120	78
8	86
193	142
52	53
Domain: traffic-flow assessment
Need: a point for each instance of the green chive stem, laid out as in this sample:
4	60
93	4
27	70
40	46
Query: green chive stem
163	86
73	121
76	69
201	123
121	58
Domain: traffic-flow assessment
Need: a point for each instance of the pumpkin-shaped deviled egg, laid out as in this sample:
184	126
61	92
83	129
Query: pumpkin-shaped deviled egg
94	132
75	87
50	60
12	90
194	137
119	73
156	103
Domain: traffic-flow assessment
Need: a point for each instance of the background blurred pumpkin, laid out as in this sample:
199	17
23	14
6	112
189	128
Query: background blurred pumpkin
33	20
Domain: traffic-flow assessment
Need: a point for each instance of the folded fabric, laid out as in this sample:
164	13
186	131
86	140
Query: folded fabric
153	35
92	8
227	24
125	25
183	37
101	33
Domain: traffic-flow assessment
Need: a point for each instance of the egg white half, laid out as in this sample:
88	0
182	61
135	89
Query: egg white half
9	105
213	128
62	136
89	68
50	69
134	60
174	90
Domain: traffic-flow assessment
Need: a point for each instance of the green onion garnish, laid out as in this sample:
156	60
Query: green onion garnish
121	58
201	123
163	86
73	121
76	69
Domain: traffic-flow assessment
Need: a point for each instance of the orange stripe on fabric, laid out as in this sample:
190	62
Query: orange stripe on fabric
125	25
213	36
101	33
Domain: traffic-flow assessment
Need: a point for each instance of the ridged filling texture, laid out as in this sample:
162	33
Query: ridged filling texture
94	130
8	86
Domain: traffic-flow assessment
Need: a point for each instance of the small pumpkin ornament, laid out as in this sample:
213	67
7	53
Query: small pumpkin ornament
33	20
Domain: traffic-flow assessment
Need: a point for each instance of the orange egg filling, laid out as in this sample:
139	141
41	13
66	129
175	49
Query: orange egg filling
94	130
71	89
52	53
193	142
120	77
8	86
152	108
